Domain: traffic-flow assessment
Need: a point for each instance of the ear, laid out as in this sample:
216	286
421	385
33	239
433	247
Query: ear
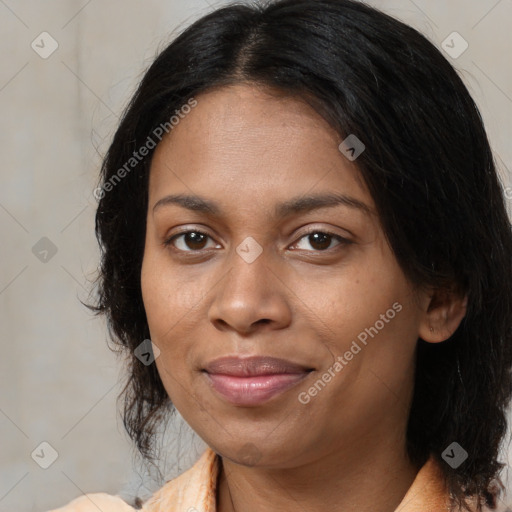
443	311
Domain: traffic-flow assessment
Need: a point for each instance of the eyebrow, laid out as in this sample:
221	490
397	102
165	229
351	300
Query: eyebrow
301	204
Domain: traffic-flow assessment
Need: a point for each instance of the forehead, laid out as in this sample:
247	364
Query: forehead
255	144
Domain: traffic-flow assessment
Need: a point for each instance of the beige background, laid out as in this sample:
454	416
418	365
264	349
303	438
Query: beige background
58	378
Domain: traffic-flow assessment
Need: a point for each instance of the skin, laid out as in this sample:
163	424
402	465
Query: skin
247	151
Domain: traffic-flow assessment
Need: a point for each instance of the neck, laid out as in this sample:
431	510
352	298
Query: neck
362	480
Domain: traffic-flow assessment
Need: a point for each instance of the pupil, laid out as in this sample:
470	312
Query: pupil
321	239
195	240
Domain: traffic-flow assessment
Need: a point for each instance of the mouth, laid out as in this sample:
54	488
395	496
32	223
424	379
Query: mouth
253	380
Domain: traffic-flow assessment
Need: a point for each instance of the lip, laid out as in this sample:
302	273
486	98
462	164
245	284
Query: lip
253	380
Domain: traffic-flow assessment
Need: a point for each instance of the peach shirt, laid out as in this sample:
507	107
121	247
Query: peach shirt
195	491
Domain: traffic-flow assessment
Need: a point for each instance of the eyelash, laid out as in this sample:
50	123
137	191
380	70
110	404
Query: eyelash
342	241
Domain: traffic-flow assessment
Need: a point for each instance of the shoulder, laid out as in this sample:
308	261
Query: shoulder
93	502
195	489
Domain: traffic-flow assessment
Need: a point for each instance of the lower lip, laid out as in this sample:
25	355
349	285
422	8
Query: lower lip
253	390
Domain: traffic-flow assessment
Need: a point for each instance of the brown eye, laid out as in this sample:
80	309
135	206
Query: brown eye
320	241
189	241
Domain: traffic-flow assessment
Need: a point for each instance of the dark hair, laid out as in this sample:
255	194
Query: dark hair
428	166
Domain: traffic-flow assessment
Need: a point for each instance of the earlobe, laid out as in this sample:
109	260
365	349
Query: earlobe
444	313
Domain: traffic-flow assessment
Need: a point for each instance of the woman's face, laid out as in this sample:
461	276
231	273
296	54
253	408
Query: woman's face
292	264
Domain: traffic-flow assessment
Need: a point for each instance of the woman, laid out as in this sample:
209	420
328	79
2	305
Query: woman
301	211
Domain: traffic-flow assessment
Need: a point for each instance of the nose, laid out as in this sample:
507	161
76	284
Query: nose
250	297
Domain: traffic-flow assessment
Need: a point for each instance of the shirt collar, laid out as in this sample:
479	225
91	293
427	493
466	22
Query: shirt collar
195	489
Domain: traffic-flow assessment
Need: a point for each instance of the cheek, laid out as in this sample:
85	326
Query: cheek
153	293
370	321
172	302
161	304
168	293
367	311
347	300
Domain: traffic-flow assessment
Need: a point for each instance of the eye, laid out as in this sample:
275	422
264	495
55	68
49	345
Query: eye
320	241
190	241
195	241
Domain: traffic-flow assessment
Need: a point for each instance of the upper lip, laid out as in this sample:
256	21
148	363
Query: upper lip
254	365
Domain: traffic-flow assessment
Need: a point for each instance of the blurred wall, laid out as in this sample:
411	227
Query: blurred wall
68	68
